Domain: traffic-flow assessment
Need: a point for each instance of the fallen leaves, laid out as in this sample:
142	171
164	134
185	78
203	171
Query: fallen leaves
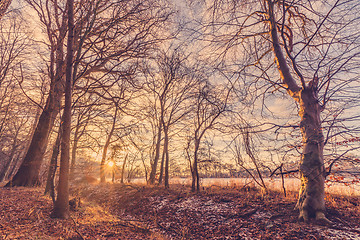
218	213
142	212
25	214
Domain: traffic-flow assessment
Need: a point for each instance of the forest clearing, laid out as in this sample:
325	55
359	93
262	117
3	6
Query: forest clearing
118	211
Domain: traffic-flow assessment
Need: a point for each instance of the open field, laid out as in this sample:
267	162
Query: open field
291	184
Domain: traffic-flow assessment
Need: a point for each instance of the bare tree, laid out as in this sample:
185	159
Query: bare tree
170	84
53	165
15	112
210	103
107	144
61	205
54	22
305	39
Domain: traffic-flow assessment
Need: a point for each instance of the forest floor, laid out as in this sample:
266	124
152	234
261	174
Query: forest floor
115	211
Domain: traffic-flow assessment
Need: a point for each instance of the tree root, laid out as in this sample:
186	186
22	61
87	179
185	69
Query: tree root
303	217
319	217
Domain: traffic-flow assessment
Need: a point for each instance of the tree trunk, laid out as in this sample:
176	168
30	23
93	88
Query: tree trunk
5	170
195	172
166	149
311	201
61	206
73	152
156	159
11	157
123	168
103	160
106	146
13	167
28	172
197	179
50	185
145	167
162	166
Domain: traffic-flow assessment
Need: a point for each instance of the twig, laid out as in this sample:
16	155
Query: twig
283	173
282	179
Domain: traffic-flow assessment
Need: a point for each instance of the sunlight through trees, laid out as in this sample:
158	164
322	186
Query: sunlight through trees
153	91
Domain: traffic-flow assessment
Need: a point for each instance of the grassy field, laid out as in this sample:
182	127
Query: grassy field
291	184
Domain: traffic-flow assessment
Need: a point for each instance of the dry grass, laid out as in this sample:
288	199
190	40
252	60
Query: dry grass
275	184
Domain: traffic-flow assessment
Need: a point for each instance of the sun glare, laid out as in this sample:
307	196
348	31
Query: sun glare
110	164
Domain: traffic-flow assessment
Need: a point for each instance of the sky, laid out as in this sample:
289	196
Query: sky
281	107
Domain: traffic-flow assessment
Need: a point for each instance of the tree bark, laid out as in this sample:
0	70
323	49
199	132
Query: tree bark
28	172
195	184
162	166
13	167
50	185
61	206
311	201
5	170
11	157
156	158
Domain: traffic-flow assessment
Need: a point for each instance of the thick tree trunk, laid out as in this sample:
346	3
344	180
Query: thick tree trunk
61	206
13	167
28	172
311	202
197	179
